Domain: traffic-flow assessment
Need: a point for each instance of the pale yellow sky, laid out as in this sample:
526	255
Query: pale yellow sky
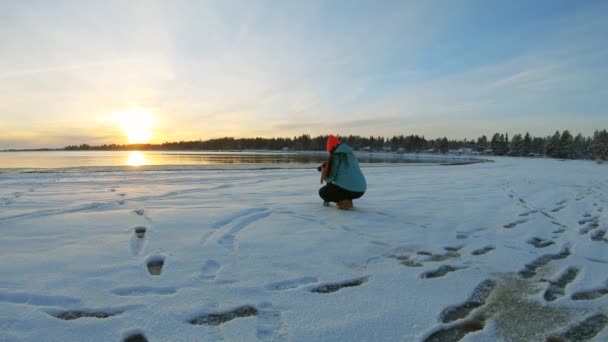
207	69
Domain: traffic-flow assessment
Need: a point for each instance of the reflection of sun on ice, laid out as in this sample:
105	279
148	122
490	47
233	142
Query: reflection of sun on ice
136	124
137	158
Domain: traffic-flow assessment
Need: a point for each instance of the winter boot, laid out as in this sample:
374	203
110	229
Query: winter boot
345	204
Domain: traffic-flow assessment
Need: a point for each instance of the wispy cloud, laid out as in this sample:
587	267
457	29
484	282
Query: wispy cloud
536	76
215	68
59	68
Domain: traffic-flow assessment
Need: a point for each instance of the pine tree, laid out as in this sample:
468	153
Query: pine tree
566	148
482	143
553	145
599	146
517	145
579	147
527	145
444	146
503	145
538	146
495	144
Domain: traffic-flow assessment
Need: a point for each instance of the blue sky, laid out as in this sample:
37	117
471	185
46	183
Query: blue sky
276	68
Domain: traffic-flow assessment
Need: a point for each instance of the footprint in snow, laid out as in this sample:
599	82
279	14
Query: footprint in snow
587	219
583	331
440	272
557	287
546	214
453	248
140	231
514	224
591	225
334	287
450	254
137	240
591	294
84	313
477	299
155	264
210	269
483	250
134	336
456	331
529	212
406	260
598	235
540	243
219	318
270	324
529	270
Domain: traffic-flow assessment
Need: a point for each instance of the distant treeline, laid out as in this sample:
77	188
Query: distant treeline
561	145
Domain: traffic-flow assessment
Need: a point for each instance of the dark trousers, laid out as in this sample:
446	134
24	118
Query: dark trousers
334	193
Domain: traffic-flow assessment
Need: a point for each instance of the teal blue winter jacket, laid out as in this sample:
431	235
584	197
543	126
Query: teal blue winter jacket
345	171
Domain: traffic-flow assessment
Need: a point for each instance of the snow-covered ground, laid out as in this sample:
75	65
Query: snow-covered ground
511	250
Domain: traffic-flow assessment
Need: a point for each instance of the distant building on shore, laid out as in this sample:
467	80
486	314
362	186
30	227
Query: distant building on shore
464	151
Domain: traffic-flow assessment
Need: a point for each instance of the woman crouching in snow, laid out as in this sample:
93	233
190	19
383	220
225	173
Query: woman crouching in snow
341	172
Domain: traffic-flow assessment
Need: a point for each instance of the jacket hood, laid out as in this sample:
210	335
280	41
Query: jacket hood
343	148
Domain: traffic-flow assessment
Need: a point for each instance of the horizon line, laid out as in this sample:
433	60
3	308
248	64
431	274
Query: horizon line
488	136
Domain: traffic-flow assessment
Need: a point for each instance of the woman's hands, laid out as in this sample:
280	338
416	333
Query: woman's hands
323	170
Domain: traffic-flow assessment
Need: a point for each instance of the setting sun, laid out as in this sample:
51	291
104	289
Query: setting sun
136	124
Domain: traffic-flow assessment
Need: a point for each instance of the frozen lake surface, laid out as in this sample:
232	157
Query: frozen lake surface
87	161
510	250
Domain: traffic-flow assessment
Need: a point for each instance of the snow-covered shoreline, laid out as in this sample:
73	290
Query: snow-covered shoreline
508	250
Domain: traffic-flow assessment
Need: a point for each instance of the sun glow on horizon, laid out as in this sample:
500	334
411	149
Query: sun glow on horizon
136	124
136	158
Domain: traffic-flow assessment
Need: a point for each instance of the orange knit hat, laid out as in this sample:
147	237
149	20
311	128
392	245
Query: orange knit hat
332	141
